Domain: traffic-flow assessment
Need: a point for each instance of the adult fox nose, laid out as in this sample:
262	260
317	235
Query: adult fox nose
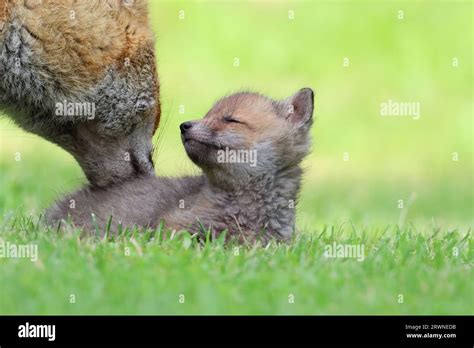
185	126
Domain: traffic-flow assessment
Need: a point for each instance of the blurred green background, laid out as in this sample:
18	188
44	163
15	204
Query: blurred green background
281	47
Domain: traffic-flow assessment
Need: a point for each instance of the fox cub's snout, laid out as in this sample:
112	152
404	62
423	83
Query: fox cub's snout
251	133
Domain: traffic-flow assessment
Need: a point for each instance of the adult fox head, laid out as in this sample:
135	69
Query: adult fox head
54	62
247	134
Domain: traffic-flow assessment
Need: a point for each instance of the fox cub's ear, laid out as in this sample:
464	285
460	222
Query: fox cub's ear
299	107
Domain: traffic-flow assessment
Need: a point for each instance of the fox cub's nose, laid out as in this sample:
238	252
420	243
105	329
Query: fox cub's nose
185	126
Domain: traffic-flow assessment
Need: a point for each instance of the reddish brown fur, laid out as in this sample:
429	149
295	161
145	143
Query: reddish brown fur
3	10
102	33
255	111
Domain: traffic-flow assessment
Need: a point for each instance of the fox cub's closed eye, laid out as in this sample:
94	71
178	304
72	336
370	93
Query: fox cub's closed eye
230	119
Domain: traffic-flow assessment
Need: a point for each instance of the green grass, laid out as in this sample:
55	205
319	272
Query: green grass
139	272
409	250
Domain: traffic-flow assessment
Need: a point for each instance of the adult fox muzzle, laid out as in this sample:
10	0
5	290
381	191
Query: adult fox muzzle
82	75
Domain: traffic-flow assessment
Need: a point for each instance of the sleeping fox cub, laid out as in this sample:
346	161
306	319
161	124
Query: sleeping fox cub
249	148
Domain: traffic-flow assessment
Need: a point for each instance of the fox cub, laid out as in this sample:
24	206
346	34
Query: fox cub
249	148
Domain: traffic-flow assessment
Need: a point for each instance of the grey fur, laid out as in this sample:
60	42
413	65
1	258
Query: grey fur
249	202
